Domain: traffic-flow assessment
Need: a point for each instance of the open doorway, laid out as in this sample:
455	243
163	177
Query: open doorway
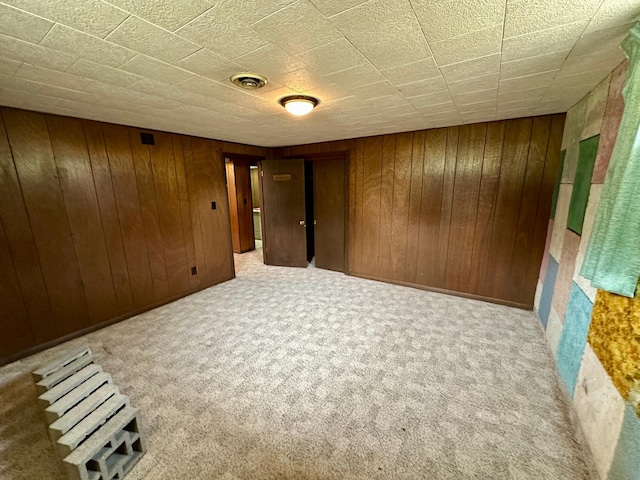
254	174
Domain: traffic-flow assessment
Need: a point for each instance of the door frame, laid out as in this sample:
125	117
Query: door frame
318	157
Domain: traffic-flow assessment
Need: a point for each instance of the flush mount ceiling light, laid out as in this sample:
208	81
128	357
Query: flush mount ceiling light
299	104
249	81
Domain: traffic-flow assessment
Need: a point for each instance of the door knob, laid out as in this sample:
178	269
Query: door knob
303	223
315	223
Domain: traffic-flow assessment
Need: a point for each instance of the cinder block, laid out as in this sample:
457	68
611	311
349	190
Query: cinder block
92	425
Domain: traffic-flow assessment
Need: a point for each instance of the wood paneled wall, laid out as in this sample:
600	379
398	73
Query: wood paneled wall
96	227
459	209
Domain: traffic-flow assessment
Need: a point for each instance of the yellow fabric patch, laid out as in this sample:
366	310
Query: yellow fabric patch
614	336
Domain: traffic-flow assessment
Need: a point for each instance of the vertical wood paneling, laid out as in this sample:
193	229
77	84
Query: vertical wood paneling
448	183
358	218
109	214
150	217
351	209
400	214
14	320
169	215
74	168
24	253
386	204
38	176
434	161
415	204
371	204
529	205
465	206
551	168
185	211
127	197
95	226
486	207
515	153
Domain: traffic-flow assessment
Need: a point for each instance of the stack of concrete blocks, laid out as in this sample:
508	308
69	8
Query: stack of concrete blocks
93	427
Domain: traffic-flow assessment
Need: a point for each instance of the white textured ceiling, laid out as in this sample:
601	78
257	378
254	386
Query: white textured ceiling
377	66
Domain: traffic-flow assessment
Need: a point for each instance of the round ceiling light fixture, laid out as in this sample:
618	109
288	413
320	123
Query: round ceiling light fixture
249	81
299	104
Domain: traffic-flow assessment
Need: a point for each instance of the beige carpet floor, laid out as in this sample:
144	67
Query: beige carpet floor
308	374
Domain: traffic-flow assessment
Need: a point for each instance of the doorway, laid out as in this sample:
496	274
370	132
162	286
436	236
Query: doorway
304	211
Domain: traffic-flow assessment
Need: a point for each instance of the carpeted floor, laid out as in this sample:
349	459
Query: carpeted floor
308	374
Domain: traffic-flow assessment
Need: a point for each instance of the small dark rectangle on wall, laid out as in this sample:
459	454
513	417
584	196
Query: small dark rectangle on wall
213	205
147	139
194	270
282	177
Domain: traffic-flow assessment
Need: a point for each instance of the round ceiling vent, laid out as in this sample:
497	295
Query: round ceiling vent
249	81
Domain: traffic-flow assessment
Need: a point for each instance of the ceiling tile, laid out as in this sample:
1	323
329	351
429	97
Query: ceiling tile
447	18
531	65
333	57
169	14
524	16
474	84
20	99
81	45
601	41
471	68
249	12
397	52
51	77
329	92
475	97
530	102
430	99
333	7
357	76
96	71
15	49
579	79
285	29
477	107
146	85
377	21
411	72
302	80
8	66
521	94
557	39
448	108
423	87
613	13
155	69
20	84
19	24
222	35
90	16
269	60
468	46
375	90
208	64
144	37
528	82
68	94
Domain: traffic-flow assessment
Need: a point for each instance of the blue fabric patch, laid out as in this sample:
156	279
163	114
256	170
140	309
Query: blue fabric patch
547	291
574	337
626	462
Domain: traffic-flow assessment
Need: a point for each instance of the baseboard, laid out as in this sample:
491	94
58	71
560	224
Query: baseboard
70	336
499	301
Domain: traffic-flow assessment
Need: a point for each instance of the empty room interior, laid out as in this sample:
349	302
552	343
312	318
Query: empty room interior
319	239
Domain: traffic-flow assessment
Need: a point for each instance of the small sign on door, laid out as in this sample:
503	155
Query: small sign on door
281	177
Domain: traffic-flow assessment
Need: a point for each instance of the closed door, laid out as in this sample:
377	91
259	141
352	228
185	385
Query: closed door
240	205
283	213
329	213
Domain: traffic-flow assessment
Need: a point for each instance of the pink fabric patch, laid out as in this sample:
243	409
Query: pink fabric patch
611	122
570	246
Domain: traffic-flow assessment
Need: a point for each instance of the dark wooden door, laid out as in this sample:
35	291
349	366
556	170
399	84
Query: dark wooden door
283	213
329	213
240	205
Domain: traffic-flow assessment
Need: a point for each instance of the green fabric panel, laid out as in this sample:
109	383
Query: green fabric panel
612	261
581	183
556	189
